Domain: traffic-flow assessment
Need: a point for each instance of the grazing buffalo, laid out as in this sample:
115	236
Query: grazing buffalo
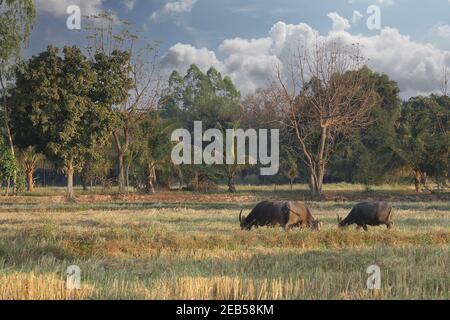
369	214
286	214
301	216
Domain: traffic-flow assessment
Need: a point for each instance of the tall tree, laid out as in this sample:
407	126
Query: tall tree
7	163
206	97
327	100
54	111
423	138
368	157
130	82
16	21
150	149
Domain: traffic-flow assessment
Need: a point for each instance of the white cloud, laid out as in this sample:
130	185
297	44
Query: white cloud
381	2
58	7
417	67
443	31
181	56
339	23
249	62
173	7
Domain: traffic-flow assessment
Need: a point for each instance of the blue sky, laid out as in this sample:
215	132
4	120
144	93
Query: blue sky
246	38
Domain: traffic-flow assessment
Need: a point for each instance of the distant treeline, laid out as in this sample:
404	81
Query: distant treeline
103	116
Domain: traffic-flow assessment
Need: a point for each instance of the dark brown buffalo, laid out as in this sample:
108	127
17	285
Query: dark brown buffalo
369	214
301	216
286	214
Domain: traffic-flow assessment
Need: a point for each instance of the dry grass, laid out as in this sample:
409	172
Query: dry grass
179	252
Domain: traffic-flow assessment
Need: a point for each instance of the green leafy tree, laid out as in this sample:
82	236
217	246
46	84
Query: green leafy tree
209	98
53	109
16	21
8	164
129	80
423	138
289	166
111	90
151	150
368	157
29	160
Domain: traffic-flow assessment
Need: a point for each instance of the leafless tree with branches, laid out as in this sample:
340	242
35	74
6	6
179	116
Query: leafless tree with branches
326	97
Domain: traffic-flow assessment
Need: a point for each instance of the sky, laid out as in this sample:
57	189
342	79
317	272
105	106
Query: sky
248	39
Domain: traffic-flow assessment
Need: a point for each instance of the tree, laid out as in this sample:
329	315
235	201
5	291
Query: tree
230	170
423	138
368	157
209	97
111	90
16	21
53	109
130	80
8	164
326	100
29	159
289	167
151	149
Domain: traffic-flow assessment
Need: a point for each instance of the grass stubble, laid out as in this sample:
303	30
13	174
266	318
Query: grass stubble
185	253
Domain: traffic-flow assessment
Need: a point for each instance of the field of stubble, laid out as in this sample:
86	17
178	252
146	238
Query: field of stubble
187	250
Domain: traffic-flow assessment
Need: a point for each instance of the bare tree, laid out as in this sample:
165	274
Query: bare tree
326	98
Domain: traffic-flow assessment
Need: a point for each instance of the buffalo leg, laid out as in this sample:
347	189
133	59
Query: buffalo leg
365	228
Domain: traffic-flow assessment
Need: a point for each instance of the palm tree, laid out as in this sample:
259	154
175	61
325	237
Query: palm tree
29	158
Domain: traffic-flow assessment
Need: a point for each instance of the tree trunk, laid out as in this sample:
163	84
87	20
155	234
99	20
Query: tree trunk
69	173
417	180
151	178
8	132
120	157
84	183
231	185
8	183
30	181
316	183
127	177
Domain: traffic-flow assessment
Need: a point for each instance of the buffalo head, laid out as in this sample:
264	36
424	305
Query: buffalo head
340	222
316	225
243	222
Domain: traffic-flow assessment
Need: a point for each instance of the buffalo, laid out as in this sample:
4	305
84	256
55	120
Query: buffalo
286	214
368	214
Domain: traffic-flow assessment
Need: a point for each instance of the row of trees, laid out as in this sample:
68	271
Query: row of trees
102	113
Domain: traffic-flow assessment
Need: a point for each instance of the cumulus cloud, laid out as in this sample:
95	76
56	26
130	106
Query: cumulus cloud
249	62
443	31
181	56
416	66
172	8
339	23
58	7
